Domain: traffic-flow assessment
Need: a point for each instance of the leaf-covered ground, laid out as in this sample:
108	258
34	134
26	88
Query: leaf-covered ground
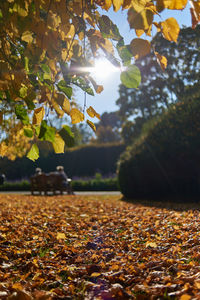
96	247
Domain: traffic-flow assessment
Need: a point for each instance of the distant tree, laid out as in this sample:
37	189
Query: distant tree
110	119
132	129
105	134
159	89
82	134
108	128
182	74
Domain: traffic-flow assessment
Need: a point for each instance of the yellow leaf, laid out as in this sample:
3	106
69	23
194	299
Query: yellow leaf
64	53
95	274
151	244
171	4
33	153
38	115
152	7
58	144
140	47
107	4
57	108
77	244
17	286
76	116
35	237
66	106
178	4
139	32
20	11
185	297
107	46
89	18
36	276
99	89
114	267
67	31
52	65
117	4
54	20
197	284
176	227
27	37
161	60
63	102
1	117
35	262
170	29
92	113
60	236
91	124
139	5
81	35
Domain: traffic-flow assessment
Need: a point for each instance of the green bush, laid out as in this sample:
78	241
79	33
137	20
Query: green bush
166	160
96	184
15	186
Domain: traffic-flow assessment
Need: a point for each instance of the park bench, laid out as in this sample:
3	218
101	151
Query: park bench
51	182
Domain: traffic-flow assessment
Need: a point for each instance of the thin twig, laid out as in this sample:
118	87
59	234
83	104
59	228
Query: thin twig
84	49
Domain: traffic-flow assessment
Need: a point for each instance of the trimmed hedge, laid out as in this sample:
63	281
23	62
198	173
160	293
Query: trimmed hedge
166	161
107	184
23	185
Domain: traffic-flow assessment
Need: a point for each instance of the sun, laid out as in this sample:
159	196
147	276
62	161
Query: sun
103	69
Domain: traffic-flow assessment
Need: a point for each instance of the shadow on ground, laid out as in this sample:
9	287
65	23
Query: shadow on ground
173	203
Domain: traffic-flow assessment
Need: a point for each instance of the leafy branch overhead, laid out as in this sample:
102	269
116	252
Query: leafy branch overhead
43	58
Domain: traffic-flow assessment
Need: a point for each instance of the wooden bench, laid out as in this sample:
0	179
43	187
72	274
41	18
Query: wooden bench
52	182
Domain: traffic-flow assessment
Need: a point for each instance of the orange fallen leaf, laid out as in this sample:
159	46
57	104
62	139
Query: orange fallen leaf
151	244
185	297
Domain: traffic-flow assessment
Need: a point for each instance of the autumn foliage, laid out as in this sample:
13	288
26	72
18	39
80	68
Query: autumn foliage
43	57
97	247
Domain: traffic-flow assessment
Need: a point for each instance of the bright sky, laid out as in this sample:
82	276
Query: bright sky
105	102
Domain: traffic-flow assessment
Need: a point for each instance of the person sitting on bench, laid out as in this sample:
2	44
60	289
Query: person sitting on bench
38	171
61	172
65	181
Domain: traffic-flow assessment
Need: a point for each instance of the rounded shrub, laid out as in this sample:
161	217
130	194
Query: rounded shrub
166	160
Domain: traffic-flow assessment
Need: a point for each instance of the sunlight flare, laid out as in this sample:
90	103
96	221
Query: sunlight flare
103	69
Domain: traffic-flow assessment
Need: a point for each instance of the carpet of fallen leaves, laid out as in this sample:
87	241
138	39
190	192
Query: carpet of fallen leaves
96	247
